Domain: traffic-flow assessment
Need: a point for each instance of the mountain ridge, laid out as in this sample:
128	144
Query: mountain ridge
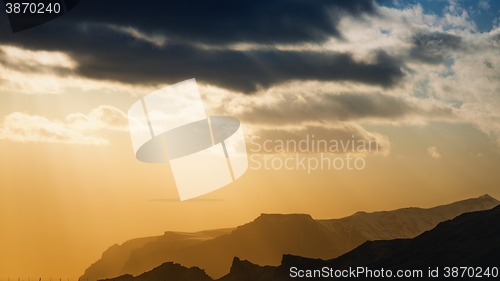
471	239
266	239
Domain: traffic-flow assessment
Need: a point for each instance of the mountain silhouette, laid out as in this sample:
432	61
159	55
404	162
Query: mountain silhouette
471	239
114	258
265	240
168	272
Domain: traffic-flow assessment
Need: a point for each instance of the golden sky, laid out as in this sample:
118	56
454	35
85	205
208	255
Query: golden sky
70	185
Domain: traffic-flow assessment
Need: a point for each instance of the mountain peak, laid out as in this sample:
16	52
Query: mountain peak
239	263
486	196
283	218
283	215
245	270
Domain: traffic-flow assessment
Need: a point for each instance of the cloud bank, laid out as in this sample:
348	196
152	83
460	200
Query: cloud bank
78	128
348	63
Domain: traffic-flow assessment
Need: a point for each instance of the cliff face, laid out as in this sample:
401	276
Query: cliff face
112	260
266	239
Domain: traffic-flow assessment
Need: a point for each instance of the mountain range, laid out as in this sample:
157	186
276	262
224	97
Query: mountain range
265	240
471	240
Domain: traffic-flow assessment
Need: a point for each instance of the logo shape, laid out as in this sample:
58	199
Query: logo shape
205	153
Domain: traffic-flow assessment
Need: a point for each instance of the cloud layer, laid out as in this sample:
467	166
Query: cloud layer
351	63
78	128
224	21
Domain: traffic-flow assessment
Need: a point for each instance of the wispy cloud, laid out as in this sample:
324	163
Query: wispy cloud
433	152
484	4
78	128
157	40
16	55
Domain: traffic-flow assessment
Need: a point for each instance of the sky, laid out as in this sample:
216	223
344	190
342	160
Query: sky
421	78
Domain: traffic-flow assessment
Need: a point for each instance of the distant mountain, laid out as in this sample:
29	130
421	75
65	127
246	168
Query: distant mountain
471	239
402	223
114	258
264	240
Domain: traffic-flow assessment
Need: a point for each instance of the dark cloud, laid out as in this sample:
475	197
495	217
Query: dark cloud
103	53
226	21
496	37
488	64
239	70
223	21
338	108
434	47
